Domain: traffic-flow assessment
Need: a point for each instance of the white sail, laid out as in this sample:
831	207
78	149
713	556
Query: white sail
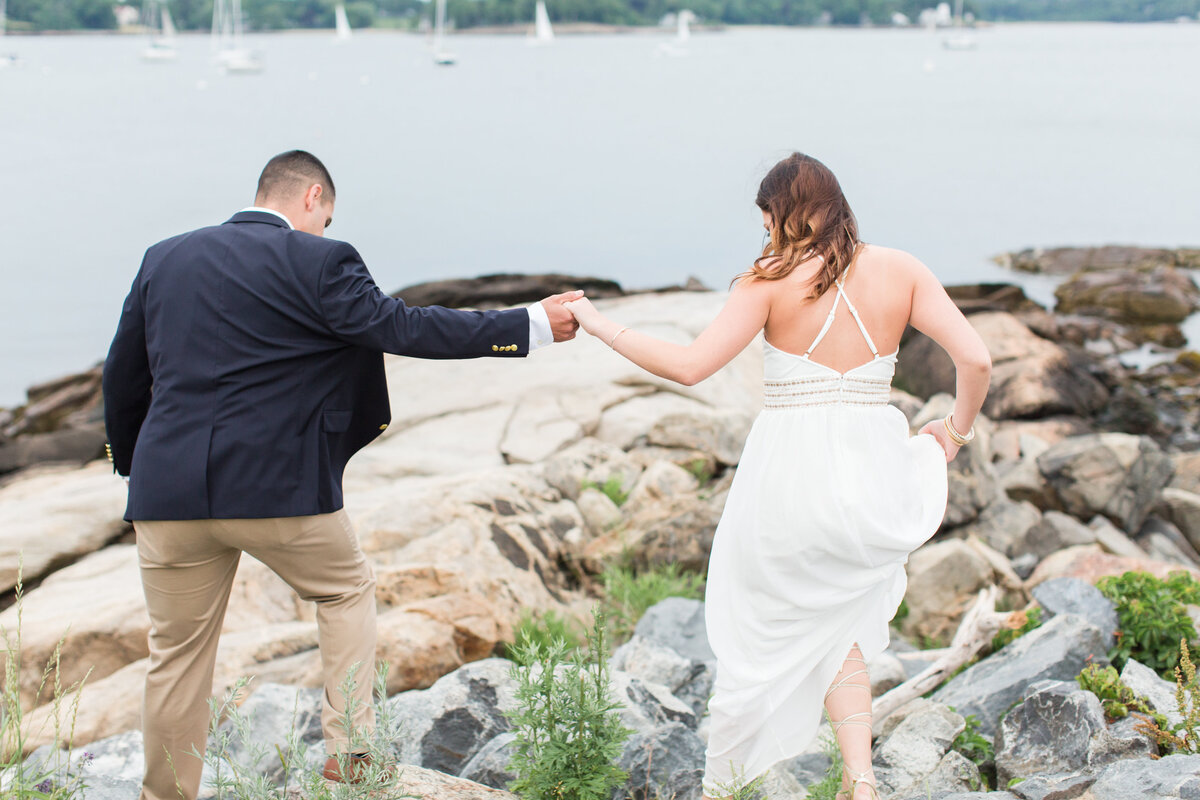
232	55
342	22
3	16
542	30
168	27
440	56
685	32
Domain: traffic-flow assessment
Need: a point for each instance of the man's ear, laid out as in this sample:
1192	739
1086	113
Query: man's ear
312	196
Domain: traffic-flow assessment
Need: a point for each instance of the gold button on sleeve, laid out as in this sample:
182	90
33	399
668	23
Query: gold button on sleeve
383	427
495	347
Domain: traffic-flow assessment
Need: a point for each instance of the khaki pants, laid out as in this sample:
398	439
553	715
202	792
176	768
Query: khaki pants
187	571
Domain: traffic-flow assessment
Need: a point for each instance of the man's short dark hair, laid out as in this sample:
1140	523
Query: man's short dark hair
294	171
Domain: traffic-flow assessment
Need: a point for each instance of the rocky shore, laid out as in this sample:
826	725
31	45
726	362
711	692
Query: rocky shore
480	502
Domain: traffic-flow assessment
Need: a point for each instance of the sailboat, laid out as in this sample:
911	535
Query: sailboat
342	22
543	32
961	39
683	33
441	56
233	56
162	32
6	59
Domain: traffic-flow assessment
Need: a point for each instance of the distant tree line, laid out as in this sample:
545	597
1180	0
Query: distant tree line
280	14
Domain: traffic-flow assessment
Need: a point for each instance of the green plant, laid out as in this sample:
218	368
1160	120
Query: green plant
1117	698
628	593
543	628
738	788
566	723
701	469
613	488
978	748
57	777
1183	736
1033	619
829	785
901	613
1152	616
245	777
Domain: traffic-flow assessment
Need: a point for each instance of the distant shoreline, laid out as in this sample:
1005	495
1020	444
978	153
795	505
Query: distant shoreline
591	28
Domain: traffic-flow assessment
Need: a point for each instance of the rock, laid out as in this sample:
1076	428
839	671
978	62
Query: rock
73	401
811	765
588	461
503	290
972	480
1073	596
719	433
1023	481
1119	741
105	788
1158	693
1113	540
678	624
667	761
414	781
690	680
599	512
1069	260
1089	563
625	424
943	578
1057	650
1160	294
1047	732
915	748
1176	776
648	705
1187	472
490	766
887	672
661	481
908	404
75	446
1024	565
1114	474
1183	509
53	518
1054	532
678	530
107	707
444	726
1031	377
1006	526
271	713
954	773
1054	787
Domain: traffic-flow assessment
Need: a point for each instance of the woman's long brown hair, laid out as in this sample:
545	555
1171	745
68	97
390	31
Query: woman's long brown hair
810	217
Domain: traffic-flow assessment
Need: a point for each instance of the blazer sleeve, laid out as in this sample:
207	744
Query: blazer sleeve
357	311
127	381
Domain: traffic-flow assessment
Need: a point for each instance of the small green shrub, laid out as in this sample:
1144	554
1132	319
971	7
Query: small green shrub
613	488
1183	736
628	593
829	785
1153	617
1033	619
1117	698
58	777
701	469
242	778
901	613
741	789
567	726
973	744
543	628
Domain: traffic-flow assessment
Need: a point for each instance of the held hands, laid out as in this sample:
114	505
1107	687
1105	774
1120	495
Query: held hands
585	314
937	430
562	322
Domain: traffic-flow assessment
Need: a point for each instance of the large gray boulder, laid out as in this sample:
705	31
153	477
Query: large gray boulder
1055	531
1140	297
667	761
1058	650
1114	474
1048	732
915	748
1057	786
1159	694
943	578
490	766
688	679
443	726
1074	596
271	713
678	624
1183	509
1176	776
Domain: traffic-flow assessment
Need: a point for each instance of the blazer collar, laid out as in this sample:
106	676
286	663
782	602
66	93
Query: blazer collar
258	216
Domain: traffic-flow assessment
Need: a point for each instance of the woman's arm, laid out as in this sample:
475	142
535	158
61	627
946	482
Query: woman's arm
744	315
935	315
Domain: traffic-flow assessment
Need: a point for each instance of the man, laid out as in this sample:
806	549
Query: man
246	370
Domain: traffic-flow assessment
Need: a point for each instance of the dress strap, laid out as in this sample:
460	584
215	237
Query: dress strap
857	318
828	321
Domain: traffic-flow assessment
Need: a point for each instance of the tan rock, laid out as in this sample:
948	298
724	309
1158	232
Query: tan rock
1187	472
54	517
1090	563
599	512
1157	295
427	783
943	579
1183	509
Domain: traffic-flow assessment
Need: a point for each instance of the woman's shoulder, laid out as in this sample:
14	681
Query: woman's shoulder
891	261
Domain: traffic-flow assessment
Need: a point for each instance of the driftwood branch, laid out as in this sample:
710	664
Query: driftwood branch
975	632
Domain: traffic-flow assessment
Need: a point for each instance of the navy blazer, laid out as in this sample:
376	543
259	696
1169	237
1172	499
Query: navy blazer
248	367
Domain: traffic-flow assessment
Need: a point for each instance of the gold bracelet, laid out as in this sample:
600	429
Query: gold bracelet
955	436
613	343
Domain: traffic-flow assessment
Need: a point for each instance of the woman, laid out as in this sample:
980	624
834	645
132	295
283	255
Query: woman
831	494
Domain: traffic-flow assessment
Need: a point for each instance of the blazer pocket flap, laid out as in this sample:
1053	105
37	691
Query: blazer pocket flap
335	421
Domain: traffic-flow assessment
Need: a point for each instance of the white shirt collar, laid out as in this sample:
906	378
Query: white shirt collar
270	211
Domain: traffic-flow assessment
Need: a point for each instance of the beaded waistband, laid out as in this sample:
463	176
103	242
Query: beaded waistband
827	390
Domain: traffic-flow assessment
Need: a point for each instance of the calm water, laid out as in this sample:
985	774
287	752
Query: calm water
597	155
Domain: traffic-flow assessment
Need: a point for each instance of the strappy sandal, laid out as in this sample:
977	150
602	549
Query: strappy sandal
866	779
851	719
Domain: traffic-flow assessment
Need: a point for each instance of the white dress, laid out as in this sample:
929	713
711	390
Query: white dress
830	497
